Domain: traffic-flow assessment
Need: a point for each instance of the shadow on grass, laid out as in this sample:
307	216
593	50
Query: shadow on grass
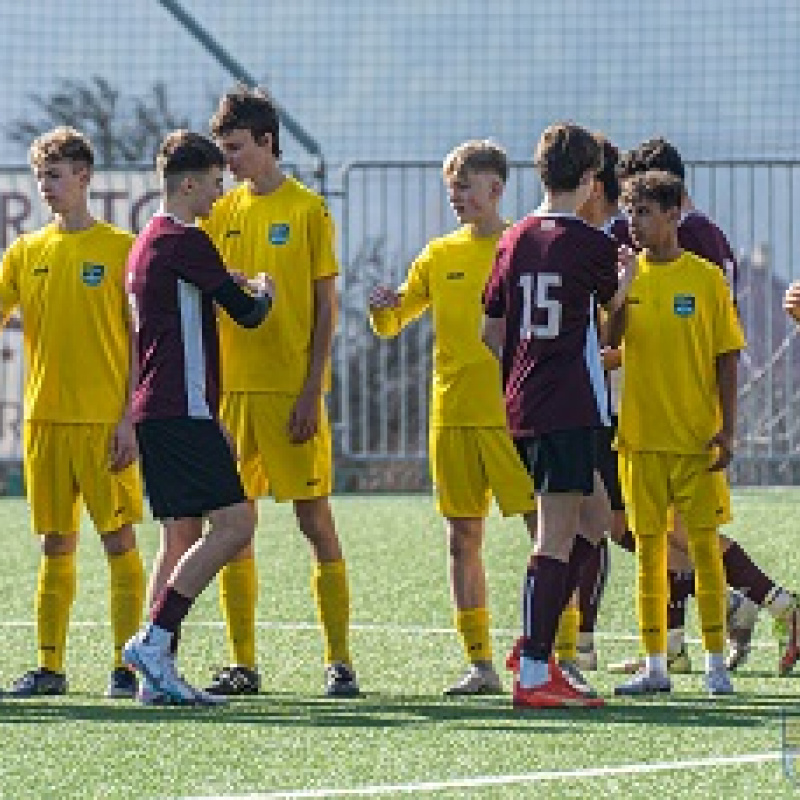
384	711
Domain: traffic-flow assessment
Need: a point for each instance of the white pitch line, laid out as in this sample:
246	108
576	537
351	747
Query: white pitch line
510	780
366	627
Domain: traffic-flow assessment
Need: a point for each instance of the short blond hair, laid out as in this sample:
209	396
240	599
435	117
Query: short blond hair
476	155
61	144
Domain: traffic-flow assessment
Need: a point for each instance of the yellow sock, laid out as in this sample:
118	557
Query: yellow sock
709	587
332	596
126	597
238	595
652	591
472	625
565	646
55	591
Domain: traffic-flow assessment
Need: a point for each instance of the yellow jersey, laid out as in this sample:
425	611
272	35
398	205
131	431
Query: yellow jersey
70	289
680	317
288	234
448	277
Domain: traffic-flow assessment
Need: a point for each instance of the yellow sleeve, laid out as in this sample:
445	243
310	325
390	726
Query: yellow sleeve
414	300
9	279
321	238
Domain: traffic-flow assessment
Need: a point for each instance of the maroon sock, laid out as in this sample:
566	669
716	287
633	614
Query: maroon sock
176	637
582	550
628	542
744	575
170	609
591	586
681	588
541	605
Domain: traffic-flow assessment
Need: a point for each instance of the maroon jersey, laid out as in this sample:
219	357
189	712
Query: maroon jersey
700	235
549	272
172	270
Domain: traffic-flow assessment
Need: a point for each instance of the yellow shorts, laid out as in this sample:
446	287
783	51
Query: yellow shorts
69	461
469	465
652	483
269	462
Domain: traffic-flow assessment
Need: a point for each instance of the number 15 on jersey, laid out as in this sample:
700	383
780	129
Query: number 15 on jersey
536	294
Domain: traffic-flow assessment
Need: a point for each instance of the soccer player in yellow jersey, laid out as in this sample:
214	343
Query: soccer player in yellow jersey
274	378
67	280
676	425
471	453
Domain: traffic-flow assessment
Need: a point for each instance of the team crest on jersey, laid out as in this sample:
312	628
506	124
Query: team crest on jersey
683	305
279	233
92	274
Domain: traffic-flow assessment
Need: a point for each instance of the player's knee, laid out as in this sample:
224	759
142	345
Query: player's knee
316	520
464	538
238	523
57	544
119	542
177	536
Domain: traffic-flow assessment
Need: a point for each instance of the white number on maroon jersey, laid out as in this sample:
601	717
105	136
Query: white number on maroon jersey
536	294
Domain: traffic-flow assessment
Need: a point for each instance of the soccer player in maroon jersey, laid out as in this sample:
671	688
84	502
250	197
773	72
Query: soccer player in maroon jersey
175	278
551	270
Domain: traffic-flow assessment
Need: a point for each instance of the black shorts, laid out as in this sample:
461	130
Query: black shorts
187	467
560	462
608	465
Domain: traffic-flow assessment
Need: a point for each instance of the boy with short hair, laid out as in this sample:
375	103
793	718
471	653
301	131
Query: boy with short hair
67	280
275	379
551	270
176	280
472	456
682	338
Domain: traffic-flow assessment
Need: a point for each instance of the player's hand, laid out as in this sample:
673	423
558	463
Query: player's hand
304	419
611	357
262	284
383	297
122	451
723	441
791	301
239	278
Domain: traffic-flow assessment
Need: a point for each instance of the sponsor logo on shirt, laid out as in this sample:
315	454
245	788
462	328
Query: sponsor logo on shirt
92	274
454	276
41	270
228	234
279	233
683	305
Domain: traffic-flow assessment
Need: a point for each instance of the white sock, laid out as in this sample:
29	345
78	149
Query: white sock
655	664
714	662
675	640
585	641
533	673
778	602
160	637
